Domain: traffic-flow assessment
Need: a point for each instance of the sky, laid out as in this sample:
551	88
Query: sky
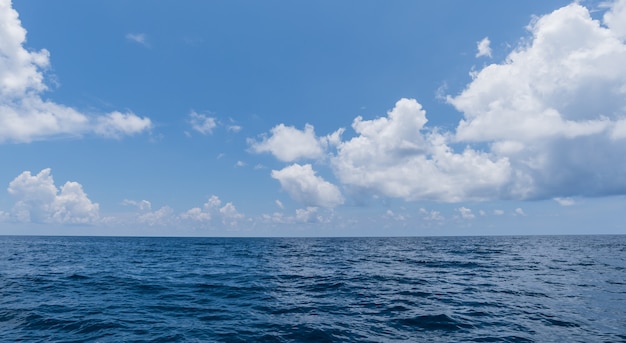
322	118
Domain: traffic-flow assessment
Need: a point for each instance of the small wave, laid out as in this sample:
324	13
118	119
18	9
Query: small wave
433	322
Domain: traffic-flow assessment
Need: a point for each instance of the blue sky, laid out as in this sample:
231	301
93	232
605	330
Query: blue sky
325	118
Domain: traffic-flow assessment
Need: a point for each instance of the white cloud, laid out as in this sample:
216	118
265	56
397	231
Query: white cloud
307	215
196	214
498	212
519	212
304	186
140	38
39	200
212	209
432	215
202	123
234	128
466	213
615	18
117	124
392	215
555	103
24	116
397	157
310	214
163	216
288	144
279	204
142	205
483	48
565	201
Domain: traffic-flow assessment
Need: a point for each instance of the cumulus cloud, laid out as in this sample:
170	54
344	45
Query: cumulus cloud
397	157
304	186
615	18
432	215
163	216
24	115
547	122
484	50
289	144
39	200
555	109
117	124
202	123
310	214
142	205
466	213
213	208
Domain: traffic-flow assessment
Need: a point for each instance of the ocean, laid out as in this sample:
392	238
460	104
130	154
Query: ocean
418	289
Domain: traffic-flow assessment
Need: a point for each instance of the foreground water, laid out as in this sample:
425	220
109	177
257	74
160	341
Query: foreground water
482	289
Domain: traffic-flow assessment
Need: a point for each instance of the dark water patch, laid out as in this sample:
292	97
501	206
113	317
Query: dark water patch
440	322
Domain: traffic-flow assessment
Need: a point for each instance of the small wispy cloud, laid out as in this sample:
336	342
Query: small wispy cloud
202	123
139	38
565	201
483	48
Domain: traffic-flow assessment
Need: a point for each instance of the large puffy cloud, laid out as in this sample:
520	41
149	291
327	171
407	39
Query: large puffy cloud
24	115
397	157
304	186
39	200
556	108
615	18
548	122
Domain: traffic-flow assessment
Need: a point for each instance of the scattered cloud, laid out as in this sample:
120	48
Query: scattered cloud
117	124
289	144
519	212
431	215
233	128
565	201
163	216
307	215
139	38
532	125
498	212
279	204
142	205
301	183
466	213
202	123
24	115
38	200
213	209
484	50
310	214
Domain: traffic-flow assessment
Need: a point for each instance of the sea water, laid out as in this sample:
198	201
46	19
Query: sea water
420	289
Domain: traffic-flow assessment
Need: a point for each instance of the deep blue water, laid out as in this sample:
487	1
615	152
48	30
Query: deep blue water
469	289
